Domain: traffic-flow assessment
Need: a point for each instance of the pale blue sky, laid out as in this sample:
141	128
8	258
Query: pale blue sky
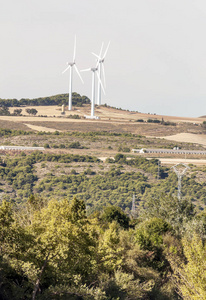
156	61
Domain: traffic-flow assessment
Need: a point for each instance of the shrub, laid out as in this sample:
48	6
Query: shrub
115	213
62	146
153	121
149	234
46	146
89	172
75	145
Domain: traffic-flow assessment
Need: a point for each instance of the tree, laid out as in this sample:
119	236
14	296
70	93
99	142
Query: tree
17	112
44	245
149	233
170	209
115	213
78	210
121	158
190	271
4	111
204	124
31	111
6	220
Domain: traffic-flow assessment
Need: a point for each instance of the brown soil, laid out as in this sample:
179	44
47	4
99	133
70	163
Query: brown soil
111	119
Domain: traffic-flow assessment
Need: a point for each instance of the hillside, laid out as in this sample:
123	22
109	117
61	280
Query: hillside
60	99
87	218
117	131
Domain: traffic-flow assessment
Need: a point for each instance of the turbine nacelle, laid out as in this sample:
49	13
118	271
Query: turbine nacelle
97	73
71	63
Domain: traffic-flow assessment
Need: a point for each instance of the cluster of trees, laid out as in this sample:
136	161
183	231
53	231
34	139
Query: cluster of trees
77	100
31	111
74	145
54	250
12	132
157	122
19	172
93	184
88	134
4	111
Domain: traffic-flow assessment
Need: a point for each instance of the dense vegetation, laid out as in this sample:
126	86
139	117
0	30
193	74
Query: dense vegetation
68	231
114	182
53	250
120	142
77	100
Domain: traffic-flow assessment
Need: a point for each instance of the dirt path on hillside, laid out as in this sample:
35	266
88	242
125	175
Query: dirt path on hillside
41	128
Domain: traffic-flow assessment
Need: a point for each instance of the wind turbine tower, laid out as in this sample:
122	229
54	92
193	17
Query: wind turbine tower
94	70
70	68
100	65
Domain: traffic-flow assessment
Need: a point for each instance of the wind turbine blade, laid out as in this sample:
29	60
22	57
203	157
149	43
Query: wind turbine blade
100	53
100	82
97	56
66	69
78	73
98	59
103	72
74	56
106	50
85	70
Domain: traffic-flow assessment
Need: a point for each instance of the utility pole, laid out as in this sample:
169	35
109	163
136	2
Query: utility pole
158	175
133	204
134	210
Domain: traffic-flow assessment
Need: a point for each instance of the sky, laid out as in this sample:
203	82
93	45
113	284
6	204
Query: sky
156	62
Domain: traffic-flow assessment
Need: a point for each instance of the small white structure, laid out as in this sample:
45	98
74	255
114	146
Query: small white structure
91	117
142	150
63	109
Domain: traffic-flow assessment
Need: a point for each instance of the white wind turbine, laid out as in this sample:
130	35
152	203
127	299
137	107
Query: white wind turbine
70	68
94	70
100	65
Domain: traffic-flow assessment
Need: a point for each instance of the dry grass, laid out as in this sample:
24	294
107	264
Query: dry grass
173	161
187	138
40	128
111	120
10	124
106	113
